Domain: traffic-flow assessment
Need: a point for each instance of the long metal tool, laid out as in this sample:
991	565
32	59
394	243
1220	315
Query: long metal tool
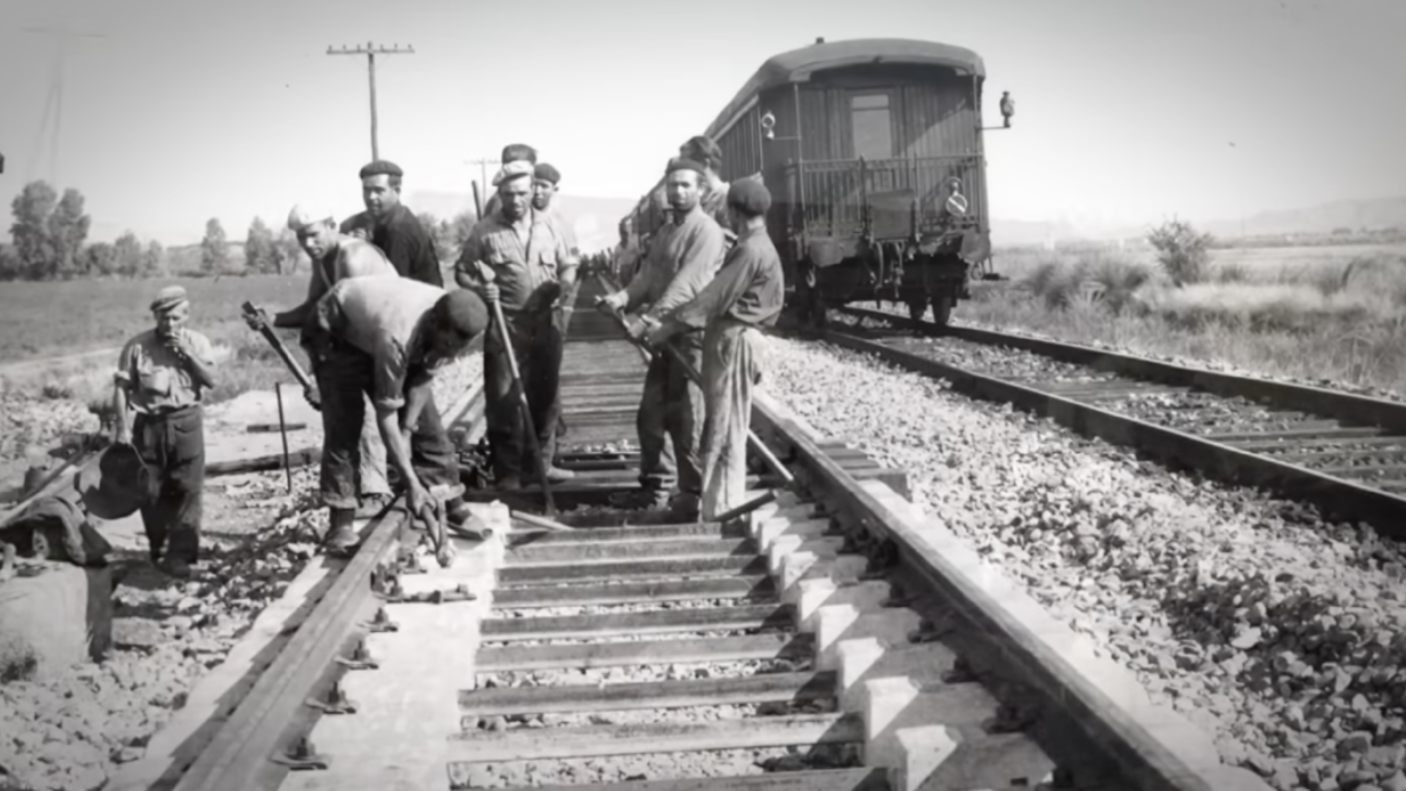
527	424
283	429
254	313
753	441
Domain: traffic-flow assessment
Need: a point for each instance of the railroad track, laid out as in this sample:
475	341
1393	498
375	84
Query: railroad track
840	640
1344	453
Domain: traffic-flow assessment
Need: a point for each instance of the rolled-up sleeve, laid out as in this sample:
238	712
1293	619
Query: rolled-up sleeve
126	361
204	352
390	374
466	268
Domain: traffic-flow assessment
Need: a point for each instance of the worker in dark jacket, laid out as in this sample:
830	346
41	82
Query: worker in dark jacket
745	295
392	226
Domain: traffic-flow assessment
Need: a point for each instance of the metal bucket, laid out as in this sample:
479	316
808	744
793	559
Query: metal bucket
117	484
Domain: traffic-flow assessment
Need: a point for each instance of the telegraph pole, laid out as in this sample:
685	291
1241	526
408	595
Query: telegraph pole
483	172
371	51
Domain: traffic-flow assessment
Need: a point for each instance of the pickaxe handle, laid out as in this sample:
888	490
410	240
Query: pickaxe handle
309	392
527	424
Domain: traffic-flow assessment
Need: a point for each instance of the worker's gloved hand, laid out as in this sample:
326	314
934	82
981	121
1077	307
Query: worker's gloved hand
658	333
256	320
490	293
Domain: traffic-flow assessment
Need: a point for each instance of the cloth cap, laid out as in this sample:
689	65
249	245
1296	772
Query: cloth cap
300	217
512	170
466	312
679	163
381	167
168	298
545	172
749	196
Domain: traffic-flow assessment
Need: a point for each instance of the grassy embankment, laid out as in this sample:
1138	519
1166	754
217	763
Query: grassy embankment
1331	313
45	320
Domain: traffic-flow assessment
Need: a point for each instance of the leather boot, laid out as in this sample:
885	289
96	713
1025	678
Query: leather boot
341	533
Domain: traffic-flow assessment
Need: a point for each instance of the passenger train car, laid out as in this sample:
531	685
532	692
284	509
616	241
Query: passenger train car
873	152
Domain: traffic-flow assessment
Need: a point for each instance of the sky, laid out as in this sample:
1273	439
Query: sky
1128	111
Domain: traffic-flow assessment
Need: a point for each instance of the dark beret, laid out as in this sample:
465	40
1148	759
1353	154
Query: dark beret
546	172
465	311
382	167
749	196
679	163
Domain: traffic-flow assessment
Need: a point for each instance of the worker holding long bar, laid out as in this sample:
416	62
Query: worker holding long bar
745	295
515	261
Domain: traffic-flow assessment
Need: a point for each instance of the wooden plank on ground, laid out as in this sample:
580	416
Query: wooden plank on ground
567	627
643	652
761	688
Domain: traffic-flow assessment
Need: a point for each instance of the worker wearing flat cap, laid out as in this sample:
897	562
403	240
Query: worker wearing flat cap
161	376
745	295
707	153
513	152
392	226
336	257
681	260
385	338
515	258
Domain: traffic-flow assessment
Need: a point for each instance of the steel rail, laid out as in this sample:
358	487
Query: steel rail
1124	737
1337	498
1336	404
272	715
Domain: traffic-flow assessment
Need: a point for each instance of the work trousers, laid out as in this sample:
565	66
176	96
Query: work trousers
371	469
672	406
732	367
345	378
172	446
536	342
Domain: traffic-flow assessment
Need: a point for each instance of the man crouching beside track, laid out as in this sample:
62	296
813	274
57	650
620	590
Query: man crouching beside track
160	375
385	337
746	294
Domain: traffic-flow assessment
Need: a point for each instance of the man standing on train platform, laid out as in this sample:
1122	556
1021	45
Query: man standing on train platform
392	226
157	391
513	152
682	260
385	337
336	257
746	294
514	257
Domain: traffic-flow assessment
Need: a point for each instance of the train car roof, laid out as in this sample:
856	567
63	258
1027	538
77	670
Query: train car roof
799	64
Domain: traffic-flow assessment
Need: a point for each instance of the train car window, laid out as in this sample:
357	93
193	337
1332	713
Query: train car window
871	126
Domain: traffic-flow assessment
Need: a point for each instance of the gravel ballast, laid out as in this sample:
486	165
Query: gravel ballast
1278	633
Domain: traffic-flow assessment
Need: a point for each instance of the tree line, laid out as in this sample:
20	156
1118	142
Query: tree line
49	233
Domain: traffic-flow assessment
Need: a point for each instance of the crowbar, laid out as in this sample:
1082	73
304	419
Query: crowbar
255	314
753	441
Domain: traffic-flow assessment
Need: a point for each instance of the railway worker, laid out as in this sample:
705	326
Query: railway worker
392	226
336	257
386	337
530	268
513	152
161	375
682	259
702	150
746	294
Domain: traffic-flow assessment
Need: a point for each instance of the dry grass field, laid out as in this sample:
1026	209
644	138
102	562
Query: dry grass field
1321	313
45	320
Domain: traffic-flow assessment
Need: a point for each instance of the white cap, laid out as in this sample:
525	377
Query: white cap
519	167
300	218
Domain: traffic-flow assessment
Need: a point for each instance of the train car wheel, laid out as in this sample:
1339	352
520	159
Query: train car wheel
941	310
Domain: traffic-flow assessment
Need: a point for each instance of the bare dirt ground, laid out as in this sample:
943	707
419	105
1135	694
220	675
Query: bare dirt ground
73	731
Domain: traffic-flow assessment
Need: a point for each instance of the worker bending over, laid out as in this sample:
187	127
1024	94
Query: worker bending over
386	337
336	257
161	374
746	294
681	261
514	257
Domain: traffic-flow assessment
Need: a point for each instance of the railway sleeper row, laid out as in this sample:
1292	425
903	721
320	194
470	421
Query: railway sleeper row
827	657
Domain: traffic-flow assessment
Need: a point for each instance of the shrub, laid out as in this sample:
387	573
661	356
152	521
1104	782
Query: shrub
1183	253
